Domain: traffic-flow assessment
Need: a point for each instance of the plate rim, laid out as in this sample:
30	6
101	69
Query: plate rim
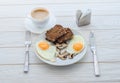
52	63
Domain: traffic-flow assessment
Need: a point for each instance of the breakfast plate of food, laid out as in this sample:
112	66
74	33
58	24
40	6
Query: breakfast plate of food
60	46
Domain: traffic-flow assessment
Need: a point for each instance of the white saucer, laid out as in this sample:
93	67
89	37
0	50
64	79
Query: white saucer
29	25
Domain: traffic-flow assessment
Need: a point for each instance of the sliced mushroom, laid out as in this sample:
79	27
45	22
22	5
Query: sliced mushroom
58	50
64	55
58	45
61	46
70	56
62	51
64	45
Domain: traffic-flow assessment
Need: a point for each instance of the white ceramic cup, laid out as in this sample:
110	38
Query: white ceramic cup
39	16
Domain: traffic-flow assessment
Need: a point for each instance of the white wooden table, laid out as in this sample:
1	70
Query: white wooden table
105	23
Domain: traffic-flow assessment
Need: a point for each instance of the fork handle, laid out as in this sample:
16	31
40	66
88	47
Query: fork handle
96	66
26	63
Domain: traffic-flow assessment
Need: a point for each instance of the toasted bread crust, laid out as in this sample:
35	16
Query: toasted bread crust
59	34
65	37
56	32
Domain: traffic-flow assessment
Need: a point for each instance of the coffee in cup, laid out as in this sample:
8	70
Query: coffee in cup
40	16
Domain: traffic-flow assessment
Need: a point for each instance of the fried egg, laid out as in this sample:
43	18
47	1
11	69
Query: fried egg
46	50
76	44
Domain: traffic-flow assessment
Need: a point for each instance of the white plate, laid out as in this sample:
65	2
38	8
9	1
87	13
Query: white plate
29	25
60	62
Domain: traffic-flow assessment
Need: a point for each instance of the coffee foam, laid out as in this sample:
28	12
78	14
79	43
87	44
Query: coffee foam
40	14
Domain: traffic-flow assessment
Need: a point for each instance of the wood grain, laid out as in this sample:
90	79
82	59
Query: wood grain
13	47
105	23
57	9
16	39
77	73
25	2
97	22
11	56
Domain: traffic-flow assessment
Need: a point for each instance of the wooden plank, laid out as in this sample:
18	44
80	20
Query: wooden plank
97	22
12	47
61	9
16	55
105	23
12	39
16	39
11	2
83	72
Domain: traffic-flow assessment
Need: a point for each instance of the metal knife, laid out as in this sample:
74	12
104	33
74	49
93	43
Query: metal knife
93	50
27	46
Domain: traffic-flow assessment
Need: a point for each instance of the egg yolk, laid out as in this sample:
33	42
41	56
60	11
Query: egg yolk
78	46
43	45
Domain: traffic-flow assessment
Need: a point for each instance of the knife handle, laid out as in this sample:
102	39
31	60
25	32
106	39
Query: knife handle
96	66
26	63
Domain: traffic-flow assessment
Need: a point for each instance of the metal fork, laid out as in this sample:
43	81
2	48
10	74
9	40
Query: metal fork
27	46
93	50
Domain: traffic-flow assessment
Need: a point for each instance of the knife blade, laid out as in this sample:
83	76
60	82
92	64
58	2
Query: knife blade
93	50
27	46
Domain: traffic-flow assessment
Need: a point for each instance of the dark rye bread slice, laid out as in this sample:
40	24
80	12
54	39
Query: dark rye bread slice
54	33
65	37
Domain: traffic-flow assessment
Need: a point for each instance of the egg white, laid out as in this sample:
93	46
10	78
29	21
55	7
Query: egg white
48	54
75	39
